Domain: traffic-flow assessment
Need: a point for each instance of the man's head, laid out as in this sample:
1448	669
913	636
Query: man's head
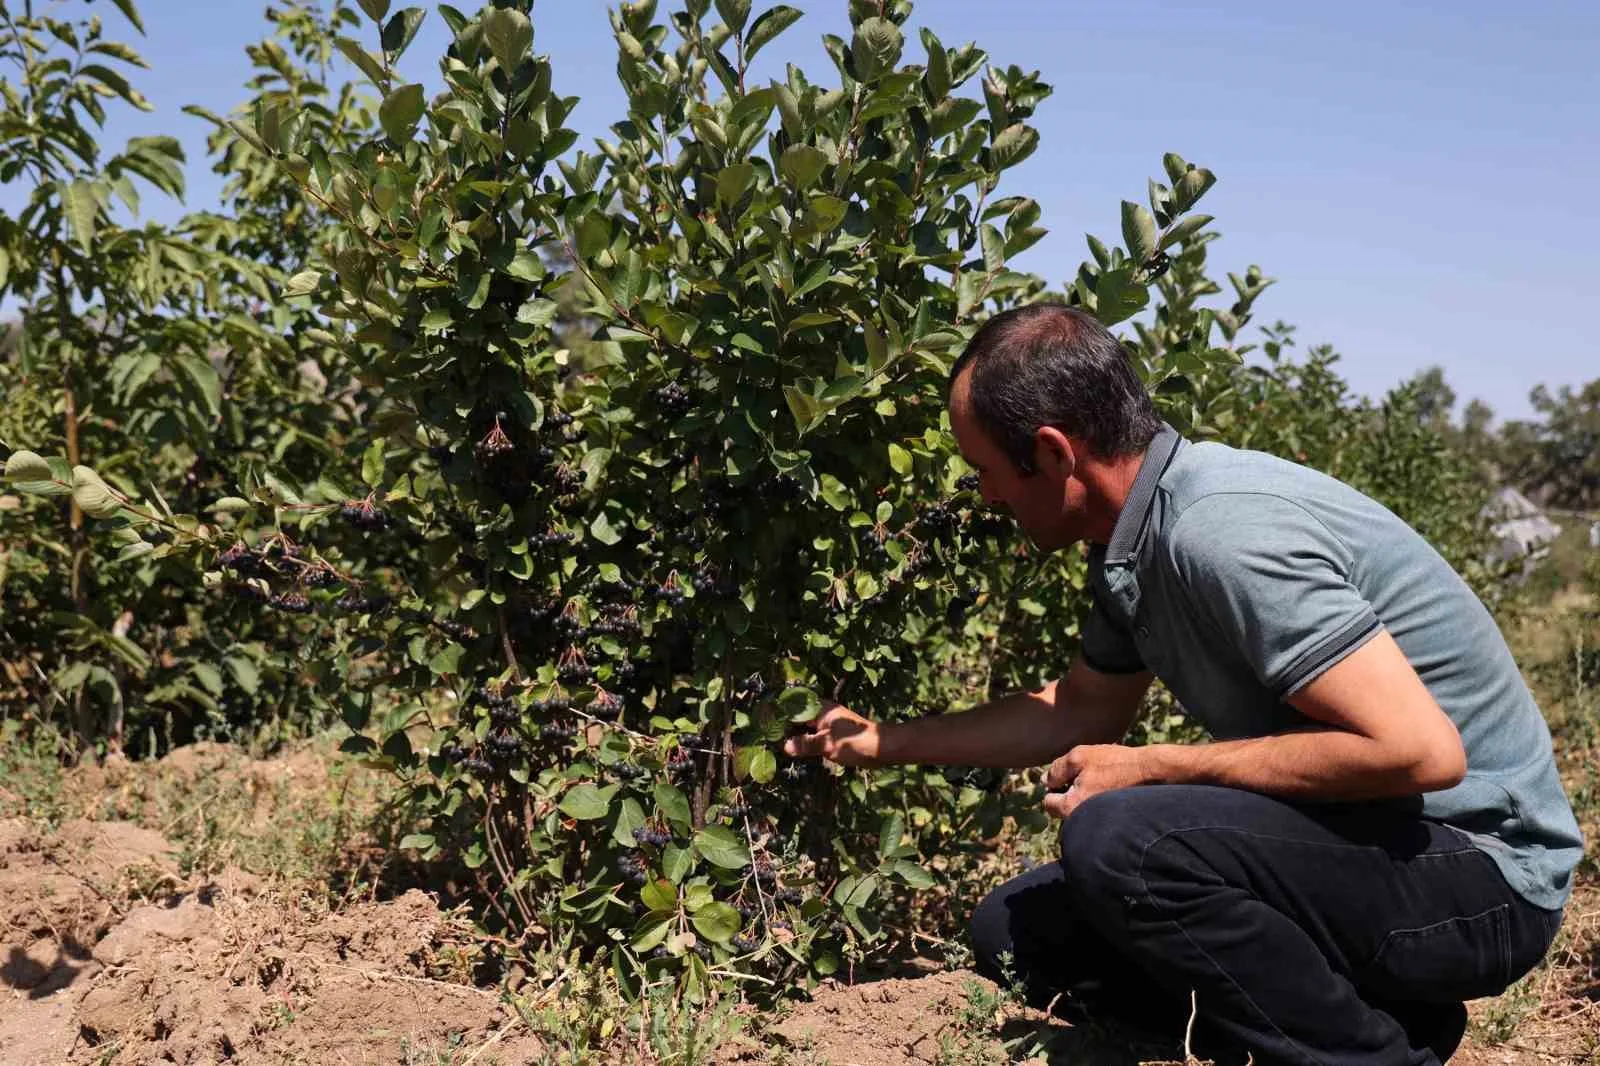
1046	406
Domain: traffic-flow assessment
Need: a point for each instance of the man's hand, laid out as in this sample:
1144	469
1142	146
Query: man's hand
838	734
1088	770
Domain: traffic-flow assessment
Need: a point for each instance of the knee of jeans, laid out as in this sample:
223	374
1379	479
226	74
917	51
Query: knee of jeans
1101	846
990	930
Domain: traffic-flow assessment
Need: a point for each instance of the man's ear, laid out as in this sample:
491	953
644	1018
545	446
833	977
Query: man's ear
1053	452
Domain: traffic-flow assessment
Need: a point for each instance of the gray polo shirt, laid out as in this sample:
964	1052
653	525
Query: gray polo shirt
1238	578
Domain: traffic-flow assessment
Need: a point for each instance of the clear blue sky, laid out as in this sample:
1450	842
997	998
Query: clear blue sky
1423	178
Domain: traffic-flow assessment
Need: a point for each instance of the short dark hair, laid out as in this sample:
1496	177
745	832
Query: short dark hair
1051	365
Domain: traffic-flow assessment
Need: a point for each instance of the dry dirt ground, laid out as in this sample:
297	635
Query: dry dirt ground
111	954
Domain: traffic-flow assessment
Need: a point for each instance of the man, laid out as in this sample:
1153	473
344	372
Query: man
1377	832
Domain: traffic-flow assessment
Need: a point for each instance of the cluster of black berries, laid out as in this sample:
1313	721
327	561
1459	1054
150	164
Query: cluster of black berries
453	630
750	690
940	517
633	772
744	945
735	811
553	705
680	764
292	602
557	420
569	626
764	871
457	754
321	577
567	481
646	834
606	706
670	594
551	539
874	545
631	864
558	730
575	672
967	483
240	559
790	895
350	603
505	744
502	708
674	398
495	443
990	525
616	627
364	516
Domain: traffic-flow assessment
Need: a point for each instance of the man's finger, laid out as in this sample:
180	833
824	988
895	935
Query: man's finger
1055	803
808	745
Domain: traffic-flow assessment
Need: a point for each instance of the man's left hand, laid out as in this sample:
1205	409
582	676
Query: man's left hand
1088	770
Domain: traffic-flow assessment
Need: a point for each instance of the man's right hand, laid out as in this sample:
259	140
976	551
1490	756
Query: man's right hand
841	735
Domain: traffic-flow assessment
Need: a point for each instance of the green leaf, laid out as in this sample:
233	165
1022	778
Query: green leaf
716	922
1118	296
876	47
1013	145
676	862
372	464
81	208
1187	190
763	766
734	12
230	505
130	13
510	36
92	495
674	805
900	460
719	845
603	530
203	378
768	25
302	284
1184	229
1138	231
400	112
630	816
447	660
802	164
587	802
889	834
733	181
365	60
26	466
416	842
913	875
659	897
133	551
375	9
399	31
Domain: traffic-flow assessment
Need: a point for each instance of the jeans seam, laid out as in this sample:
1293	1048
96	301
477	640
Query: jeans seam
1150	898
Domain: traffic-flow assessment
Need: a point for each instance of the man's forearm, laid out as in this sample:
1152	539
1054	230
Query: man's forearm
1020	730
1310	765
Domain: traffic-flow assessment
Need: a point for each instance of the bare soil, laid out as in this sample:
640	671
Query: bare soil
110	954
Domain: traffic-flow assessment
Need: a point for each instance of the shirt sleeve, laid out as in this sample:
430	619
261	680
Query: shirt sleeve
1275	583
1106	646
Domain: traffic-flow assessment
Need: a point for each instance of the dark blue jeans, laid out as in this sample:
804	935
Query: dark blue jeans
1325	934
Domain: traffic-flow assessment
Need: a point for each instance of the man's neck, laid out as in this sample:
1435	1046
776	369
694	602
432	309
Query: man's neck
1108	483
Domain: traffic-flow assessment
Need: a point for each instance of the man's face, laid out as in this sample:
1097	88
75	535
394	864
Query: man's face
1047	504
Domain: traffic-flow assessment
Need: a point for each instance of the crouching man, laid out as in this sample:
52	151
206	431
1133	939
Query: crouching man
1377	832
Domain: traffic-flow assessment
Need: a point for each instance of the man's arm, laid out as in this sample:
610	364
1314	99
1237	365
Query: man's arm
1379	735
1023	729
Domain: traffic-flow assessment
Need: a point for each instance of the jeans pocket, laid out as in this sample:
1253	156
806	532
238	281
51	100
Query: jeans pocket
1456	959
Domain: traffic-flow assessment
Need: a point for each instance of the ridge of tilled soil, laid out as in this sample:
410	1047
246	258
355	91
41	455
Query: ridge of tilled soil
215	972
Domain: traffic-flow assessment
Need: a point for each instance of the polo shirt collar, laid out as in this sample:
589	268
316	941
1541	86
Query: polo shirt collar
1135	516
